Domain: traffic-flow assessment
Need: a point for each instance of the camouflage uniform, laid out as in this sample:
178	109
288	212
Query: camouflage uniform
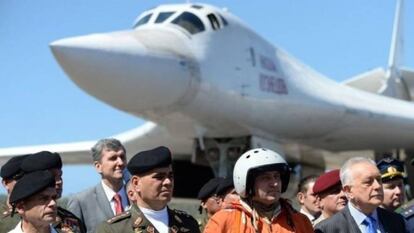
134	221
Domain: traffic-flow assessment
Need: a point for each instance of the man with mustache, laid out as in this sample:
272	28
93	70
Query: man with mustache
361	182
153	183
108	198
260	177
330	197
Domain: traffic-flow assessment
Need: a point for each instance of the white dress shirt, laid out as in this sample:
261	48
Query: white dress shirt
109	193
158	218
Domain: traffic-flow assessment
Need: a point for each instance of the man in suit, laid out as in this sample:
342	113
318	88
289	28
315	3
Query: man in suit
307	198
361	182
108	198
153	182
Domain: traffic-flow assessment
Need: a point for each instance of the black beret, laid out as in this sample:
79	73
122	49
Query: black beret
43	160
209	189
224	185
30	184
390	168
12	167
145	161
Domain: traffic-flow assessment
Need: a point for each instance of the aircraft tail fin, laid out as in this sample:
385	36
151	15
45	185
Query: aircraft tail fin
394	85
394	81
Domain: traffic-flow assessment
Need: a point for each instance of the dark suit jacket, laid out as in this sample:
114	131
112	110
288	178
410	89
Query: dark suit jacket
343	222
91	206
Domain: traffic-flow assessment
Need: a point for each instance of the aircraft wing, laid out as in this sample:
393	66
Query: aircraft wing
370	81
147	136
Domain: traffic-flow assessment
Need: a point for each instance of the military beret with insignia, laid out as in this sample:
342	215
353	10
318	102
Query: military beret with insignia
209	189
327	181
145	161
11	168
43	160
31	184
390	168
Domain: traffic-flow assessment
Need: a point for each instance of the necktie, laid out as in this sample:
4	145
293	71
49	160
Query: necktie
370	222
118	204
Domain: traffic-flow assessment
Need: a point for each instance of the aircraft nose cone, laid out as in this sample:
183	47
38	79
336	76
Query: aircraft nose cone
120	70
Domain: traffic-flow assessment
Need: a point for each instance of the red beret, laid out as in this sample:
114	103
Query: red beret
326	181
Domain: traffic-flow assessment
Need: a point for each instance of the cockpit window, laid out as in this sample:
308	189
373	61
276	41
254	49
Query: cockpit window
143	20
162	16
214	21
190	22
224	20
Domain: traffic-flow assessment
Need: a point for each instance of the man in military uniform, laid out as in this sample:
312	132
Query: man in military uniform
392	177
153	181
10	172
34	199
407	209
209	200
45	160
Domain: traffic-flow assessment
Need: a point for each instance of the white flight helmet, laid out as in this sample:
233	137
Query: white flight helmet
256	161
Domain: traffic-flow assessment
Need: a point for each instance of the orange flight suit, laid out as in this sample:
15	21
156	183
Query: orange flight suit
238	218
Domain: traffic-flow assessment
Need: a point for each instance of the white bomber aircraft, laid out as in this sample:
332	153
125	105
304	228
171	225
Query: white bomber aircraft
211	88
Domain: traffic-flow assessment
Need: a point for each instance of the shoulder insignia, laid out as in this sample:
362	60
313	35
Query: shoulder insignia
178	218
408	211
121	216
180	212
137	222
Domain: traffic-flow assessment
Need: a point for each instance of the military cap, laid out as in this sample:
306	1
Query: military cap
31	184
209	189
390	168
43	160
12	167
326	181
145	161
224	185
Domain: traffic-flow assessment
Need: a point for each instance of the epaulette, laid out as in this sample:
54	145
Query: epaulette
406	210
121	216
180	212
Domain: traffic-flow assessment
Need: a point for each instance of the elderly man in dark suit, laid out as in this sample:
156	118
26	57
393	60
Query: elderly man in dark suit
361	182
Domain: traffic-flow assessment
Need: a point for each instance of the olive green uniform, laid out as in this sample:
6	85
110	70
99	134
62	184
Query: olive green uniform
134	221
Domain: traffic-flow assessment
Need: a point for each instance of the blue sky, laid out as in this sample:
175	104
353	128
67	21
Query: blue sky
40	105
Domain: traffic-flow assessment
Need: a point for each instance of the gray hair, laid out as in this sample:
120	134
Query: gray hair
345	171
106	143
